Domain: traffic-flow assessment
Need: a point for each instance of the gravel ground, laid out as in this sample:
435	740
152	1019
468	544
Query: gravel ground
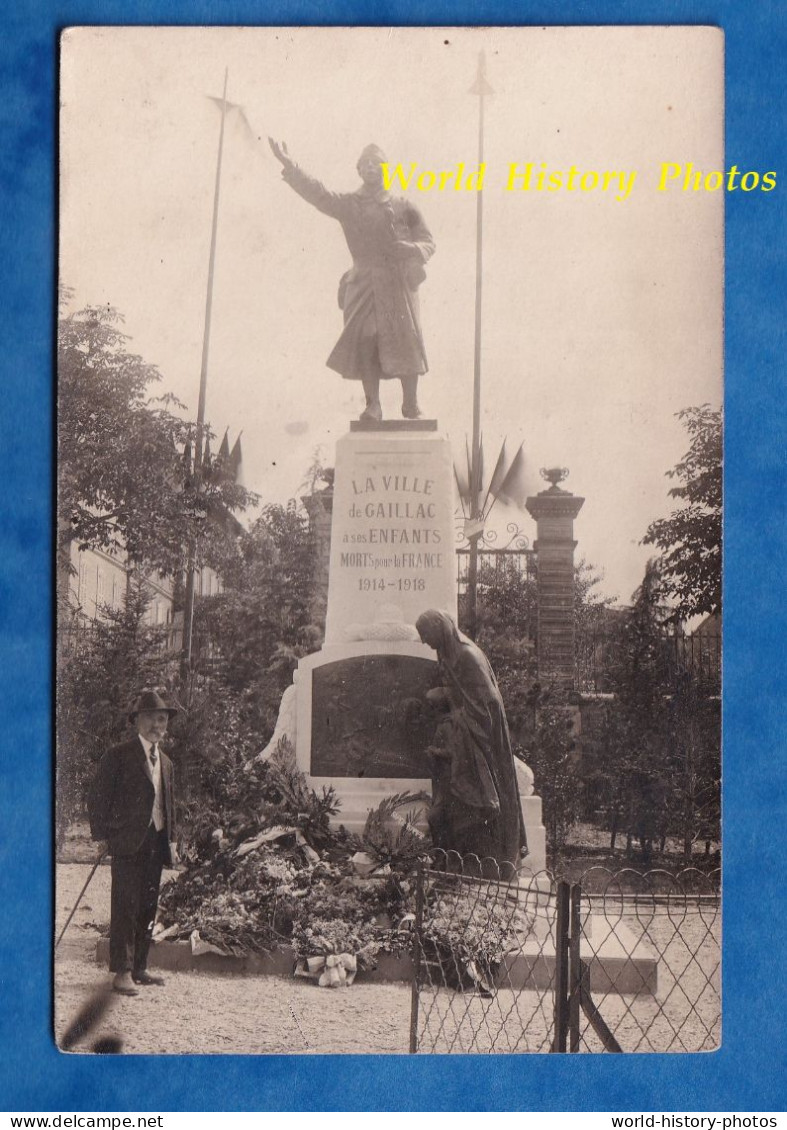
205	1013
685	1013
199	1012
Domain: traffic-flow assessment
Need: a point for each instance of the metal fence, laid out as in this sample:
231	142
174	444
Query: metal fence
507	562
78	638
512	568
697	656
619	962
644	956
483	978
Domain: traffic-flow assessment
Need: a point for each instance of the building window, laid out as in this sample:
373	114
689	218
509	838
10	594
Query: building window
82	579
99	603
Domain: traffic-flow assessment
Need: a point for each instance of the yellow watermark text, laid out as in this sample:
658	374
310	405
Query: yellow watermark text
617	184
689	179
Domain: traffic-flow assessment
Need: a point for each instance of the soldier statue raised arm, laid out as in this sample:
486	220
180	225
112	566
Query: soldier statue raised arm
389	243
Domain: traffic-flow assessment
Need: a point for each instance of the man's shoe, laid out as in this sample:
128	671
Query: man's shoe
372	412
124	985
411	411
145	978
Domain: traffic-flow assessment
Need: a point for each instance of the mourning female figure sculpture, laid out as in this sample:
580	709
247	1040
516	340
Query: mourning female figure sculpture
480	811
389	243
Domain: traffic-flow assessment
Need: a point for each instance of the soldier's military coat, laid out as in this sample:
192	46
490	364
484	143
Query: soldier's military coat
379	294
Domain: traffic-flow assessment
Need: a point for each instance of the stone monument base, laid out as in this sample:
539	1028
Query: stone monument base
358	716
360	723
360	794
536	858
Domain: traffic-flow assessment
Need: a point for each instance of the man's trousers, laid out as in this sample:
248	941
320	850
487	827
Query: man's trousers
135	887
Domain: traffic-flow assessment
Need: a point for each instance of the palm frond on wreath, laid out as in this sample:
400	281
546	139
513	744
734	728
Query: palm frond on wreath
392	836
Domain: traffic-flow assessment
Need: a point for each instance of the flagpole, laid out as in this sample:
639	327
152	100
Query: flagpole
481	88
188	613
203	376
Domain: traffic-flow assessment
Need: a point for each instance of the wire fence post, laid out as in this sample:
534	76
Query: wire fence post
574	966
419	914
561	967
615	962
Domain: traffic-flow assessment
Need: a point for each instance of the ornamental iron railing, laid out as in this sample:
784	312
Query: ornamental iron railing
696	657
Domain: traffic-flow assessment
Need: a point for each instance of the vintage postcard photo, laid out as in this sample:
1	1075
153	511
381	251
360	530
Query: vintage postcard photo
389	539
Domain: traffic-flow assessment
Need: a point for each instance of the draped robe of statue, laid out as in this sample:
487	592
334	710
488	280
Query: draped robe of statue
379	294
483	811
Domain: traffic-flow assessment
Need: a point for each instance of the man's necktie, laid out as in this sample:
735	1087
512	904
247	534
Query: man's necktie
158	800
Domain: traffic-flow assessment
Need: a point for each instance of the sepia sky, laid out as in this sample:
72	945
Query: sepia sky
601	317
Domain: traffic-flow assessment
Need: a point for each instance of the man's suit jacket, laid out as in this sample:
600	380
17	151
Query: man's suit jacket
121	798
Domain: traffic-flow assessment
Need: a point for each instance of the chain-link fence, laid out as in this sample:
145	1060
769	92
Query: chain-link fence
484	958
516	962
648	960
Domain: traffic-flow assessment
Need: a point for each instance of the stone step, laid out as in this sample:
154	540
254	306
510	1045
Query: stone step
618	962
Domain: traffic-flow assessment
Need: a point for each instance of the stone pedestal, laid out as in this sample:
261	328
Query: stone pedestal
356	713
536	859
362	726
392	532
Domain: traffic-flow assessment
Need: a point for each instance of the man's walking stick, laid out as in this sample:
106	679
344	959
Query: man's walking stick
101	855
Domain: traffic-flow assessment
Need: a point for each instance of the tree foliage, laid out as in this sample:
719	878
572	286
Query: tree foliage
99	673
507	619
122	483
690	539
550	753
259	627
636	742
695	787
123	487
508	625
261	621
656	768
589	604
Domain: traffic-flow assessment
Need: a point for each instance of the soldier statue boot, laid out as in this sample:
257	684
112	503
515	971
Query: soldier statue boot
410	409
373	410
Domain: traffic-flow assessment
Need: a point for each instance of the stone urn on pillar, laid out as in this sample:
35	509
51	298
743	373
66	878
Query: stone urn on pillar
554	511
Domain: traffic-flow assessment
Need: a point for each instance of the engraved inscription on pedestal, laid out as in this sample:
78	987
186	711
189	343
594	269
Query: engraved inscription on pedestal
392	536
369	717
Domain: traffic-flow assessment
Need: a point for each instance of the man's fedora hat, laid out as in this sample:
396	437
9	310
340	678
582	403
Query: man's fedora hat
149	700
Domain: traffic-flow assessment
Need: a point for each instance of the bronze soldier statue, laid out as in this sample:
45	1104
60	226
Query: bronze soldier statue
389	243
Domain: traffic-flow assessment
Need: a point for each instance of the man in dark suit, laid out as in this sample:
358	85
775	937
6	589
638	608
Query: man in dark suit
132	808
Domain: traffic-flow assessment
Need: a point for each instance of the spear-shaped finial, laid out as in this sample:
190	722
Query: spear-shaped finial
481	86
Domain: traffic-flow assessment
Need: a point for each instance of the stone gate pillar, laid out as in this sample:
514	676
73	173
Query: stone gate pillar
554	511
